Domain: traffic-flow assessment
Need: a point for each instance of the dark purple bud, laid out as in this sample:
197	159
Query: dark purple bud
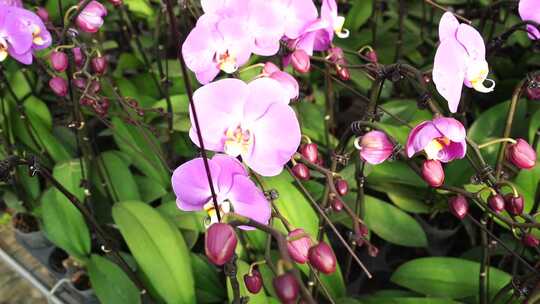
99	64
372	56
59	61
496	202
433	173
301	171
43	14
300	61
104	103
116	2
220	243
343	73
373	251
298	245
286	287
533	89
85	101
78	56
59	86
336	56
342	187
322	257
310	152
514	204
337	204
459	206
521	154
254	281
530	240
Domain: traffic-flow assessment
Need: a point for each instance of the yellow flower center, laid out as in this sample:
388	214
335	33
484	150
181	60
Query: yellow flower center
432	149
227	62
38	40
477	73
224	207
237	141
3	49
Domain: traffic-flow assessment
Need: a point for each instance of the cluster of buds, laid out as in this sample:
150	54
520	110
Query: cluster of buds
100	106
336	56
310	152
301	249
513	202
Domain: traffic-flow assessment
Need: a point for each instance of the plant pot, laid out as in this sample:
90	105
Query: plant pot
55	262
28	232
80	285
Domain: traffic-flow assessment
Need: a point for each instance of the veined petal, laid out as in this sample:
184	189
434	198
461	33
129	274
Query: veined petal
420	137
248	200
263	92
229	167
199	50
448	26
473	42
451	128
190	184
456	150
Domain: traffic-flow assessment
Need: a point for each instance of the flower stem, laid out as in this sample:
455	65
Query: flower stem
496	141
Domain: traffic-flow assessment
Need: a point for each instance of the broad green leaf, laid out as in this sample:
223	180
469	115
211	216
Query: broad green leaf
533	128
64	224
180	110
150	189
209	288
159	249
402	300
110	282
119	178
408	198
392	224
29	183
243	268
359	14
140	8
446	277
394	172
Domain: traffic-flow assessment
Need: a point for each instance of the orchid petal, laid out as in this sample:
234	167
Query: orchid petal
449	71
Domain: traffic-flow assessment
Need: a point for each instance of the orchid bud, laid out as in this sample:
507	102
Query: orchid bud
300	61
116	2
372	56
322	257
336	56
43	14
99	65
59	86
343	73
514	204
254	281
459	206
310	152
342	187
496	202
337	204
533	89
90	19
78	56
85	101
59	61
521	154
375	147
270	68
301	171
298	245
289	83
220	243
530	240
373	251
433	173
286	287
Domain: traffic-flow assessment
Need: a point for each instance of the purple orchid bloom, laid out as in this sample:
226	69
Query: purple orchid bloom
250	120
216	45
529	10
460	59
90	19
235	192
441	139
288	82
296	14
21	32
16	3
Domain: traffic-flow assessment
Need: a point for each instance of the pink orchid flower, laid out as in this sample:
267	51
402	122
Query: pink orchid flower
296	15
441	139
287	82
252	120
460	59
235	192
529	10
90	19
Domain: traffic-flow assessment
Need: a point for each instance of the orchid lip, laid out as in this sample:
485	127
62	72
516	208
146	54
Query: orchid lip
238	140
224	207
480	87
339	30
3	49
227	62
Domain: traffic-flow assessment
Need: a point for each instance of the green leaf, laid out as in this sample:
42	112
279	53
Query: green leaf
410	199
403	300
150	189
141	145
243	268
140	8
527	182
64	224
394	172
159	249
118	176
180	109
392	224
446	277
207	281
111	284
359	14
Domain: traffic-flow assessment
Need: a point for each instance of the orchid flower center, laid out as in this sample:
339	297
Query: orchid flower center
3	49
477	73
338	27
37	39
237	141
224	207
435	146
226	61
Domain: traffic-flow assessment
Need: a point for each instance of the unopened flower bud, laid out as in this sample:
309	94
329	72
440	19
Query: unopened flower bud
254	281
521	154
59	86
373	251
433	173
78	56
372	56
286	287
342	187
301	171
343	73
116	2
533	89
90	19
336	56
310	152
459	206
496	202
99	64
59	61
43	14
514	204
220	243
375	147
530	240
300	61
337	204
322	258
298	245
